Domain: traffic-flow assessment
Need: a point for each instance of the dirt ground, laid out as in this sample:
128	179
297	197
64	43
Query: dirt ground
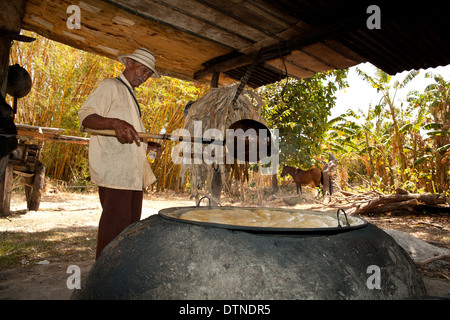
37	247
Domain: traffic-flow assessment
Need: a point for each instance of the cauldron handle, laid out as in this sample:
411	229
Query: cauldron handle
200	200
345	215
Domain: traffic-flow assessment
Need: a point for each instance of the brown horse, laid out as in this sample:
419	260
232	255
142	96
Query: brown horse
313	176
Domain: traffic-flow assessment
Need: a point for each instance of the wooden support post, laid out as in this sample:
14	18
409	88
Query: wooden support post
216	185
11	22
260	184
216	181
215	80
5	46
274	184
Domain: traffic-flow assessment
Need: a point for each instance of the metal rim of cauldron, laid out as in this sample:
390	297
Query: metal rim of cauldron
174	214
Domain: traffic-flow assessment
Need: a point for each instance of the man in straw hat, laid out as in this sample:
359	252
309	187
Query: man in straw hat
118	165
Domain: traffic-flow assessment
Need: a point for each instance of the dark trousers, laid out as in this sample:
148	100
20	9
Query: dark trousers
120	209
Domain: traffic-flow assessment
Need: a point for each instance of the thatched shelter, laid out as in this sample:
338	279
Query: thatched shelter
217	110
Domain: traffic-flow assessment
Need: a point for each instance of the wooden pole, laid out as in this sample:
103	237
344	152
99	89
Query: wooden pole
5	45
11	22
5	168
216	181
11	16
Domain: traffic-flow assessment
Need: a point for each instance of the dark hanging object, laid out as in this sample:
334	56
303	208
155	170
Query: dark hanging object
8	131
19	83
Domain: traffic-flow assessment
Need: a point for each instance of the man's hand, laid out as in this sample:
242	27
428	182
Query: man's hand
125	132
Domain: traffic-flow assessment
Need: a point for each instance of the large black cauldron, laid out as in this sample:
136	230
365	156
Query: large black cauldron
163	257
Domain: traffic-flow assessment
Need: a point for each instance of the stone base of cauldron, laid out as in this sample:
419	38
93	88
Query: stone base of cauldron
161	259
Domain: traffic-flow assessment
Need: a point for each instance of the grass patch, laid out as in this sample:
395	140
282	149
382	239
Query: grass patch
59	245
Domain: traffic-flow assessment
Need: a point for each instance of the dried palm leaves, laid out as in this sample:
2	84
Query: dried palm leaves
216	110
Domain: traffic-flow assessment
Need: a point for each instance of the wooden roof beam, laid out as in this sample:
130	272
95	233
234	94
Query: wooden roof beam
286	47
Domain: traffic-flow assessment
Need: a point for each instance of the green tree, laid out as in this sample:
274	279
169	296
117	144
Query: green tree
299	110
381	82
363	137
433	109
412	152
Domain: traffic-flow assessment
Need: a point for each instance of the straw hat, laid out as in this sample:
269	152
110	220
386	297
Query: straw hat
143	56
